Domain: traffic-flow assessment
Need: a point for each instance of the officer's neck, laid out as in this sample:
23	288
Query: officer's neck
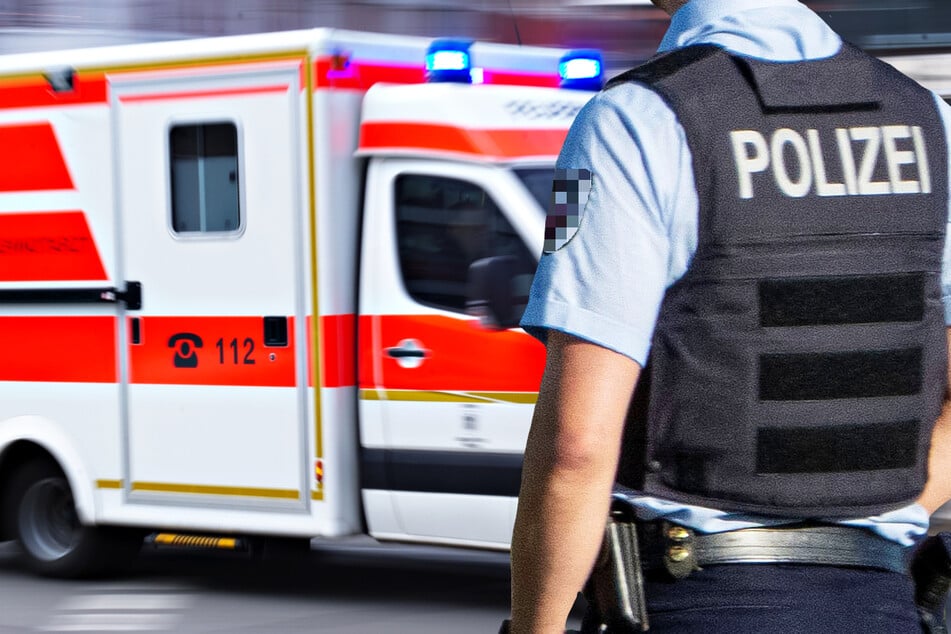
669	6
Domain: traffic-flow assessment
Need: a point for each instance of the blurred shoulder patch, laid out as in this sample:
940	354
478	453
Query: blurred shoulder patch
569	195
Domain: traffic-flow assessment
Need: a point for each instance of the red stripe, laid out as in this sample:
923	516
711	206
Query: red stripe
31	159
401	136
509	78
92	88
232	352
75	349
310	351
360	75
51	246
366	347
338	350
35	92
197	94
462	356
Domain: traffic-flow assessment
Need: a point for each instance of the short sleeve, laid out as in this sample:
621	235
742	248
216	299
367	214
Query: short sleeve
630	231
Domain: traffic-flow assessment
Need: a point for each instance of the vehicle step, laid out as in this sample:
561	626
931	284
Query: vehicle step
204	542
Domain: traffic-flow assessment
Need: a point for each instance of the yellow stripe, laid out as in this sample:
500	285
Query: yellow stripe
201	489
109	484
523	398
312	209
317	495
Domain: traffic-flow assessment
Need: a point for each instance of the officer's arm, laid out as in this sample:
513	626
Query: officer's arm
570	463
938	489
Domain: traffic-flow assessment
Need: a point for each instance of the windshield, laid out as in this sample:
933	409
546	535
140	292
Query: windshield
538	182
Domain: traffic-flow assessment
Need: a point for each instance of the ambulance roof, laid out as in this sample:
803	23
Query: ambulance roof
393	49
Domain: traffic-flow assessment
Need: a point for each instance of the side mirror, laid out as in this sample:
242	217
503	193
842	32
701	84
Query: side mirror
497	291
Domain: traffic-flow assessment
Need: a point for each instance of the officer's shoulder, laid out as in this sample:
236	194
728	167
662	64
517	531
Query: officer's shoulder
664	65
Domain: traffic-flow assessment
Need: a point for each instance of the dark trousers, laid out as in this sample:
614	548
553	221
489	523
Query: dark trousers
783	599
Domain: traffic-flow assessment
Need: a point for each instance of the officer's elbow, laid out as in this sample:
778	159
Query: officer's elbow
582	451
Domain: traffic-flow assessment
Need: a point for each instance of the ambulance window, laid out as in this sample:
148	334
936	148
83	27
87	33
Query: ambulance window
442	226
204	177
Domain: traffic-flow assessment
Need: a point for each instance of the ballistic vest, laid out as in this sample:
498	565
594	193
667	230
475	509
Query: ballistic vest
799	365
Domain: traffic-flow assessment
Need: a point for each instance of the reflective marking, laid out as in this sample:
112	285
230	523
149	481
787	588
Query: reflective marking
196	541
410	138
201	489
521	398
900	148
794	188
47	246
33	349
32	159
823	186
206	350
873	141
361	74
921	151
465	359
848	161
198	94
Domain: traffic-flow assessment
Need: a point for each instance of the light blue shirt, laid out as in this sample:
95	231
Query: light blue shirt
638	230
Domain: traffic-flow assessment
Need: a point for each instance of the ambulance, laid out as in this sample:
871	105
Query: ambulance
268	286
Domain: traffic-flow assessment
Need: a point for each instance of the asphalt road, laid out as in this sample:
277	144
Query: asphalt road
354	586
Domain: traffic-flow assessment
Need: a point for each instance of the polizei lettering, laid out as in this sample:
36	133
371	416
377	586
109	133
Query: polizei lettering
797	164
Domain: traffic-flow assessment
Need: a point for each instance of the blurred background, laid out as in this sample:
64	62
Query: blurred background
627	30
351	585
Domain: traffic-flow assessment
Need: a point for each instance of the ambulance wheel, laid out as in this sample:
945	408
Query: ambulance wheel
52	540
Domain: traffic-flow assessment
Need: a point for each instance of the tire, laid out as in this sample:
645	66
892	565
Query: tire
52	540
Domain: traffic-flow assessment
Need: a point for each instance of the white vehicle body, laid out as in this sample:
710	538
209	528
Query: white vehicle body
245	188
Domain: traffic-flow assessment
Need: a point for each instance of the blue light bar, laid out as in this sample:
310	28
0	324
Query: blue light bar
448	60
582	70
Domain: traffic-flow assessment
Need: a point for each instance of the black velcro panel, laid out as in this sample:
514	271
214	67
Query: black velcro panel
825	301
837	449
830	375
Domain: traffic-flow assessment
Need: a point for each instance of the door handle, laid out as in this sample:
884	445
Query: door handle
409	353
131	296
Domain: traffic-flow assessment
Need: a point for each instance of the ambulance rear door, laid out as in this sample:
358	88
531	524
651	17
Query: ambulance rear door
209	202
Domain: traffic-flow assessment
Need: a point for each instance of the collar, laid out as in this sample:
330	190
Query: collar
696	13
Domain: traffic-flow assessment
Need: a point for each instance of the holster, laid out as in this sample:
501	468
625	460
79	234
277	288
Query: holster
615	589
931	571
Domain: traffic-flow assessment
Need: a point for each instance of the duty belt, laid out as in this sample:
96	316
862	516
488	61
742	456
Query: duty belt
680	550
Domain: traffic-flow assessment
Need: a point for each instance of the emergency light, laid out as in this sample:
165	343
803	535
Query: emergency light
448	60
582	70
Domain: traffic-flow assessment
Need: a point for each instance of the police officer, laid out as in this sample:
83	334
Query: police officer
750	230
